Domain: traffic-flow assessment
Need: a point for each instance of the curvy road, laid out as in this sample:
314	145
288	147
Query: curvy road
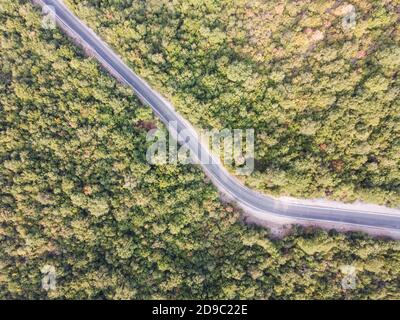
274	209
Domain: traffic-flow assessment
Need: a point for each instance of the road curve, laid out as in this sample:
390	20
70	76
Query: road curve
250	200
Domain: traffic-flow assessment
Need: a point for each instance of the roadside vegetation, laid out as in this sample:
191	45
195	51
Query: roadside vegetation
78	197
321	93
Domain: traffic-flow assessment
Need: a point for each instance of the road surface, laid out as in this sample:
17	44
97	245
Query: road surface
244	197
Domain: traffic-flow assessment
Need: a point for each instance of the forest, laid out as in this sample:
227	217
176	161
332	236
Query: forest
322	97
78	197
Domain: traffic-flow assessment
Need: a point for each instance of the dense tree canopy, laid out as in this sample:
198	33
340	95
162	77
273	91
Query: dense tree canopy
322	96
78	197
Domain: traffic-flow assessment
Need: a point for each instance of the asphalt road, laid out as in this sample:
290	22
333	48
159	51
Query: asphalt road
245	197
